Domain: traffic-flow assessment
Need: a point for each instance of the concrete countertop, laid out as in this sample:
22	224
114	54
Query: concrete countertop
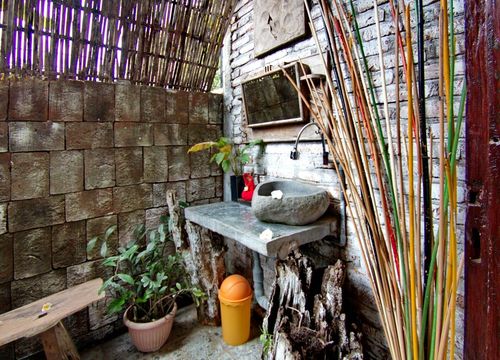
236	221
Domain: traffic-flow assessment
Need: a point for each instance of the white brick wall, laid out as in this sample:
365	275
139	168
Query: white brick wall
239	64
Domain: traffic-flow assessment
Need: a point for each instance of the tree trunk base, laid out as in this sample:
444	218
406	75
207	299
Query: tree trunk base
305	315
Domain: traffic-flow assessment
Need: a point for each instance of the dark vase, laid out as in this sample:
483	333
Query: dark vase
237	186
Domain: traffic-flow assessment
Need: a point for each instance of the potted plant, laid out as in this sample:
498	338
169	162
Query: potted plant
230	158
147	278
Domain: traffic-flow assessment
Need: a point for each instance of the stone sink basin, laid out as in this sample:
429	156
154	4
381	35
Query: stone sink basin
300	204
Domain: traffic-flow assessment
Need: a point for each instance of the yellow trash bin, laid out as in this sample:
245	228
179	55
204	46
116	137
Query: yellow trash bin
235	295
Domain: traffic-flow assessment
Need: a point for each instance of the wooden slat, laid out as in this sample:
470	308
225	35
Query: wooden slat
25	321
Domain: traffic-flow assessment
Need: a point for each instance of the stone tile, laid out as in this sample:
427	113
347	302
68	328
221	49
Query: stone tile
69	244
90	135
4	99
159	195
32	253
66	100
89	204
4	137
99	168
170	134
129	166
98	102
198	108
178	163
133	134
25	291
77	324
179	187
4	177
6	259
156	164
35	213
215	110
3	218
98	316
200	164
32	136
177	107
152	104
30	175
153	216
80	273
200	189
97	227
133	197
219	186
4	297
66	171
127	102
28	100
199	133
127	223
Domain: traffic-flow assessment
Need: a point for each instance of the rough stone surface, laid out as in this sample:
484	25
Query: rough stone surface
129	166
178	163
177	107
300	204
99	168
32	136
4	99
97	227
156	164
25	291
4	298
179	187
32	253
198	108
4	177
127	98
127	223
99	102
133	134
200	164
35	213
90	135
6	258
4	137
199	189
153	216
89	204
30	175
199	133
66	171
153	104
78	274
68	244
133	197
3	218
170	134
98	316
66	101
28	100
215	108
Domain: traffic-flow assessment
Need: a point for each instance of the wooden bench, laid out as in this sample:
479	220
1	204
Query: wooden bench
29	320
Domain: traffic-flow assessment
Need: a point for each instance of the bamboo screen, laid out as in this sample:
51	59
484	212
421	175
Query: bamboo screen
169	43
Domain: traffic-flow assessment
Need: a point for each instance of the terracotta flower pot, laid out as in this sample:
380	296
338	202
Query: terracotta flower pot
149	337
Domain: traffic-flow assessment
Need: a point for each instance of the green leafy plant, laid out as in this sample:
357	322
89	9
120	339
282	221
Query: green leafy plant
228	155
266	340
146	276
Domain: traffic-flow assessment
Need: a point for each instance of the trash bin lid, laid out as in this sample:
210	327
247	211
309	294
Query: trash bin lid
234	288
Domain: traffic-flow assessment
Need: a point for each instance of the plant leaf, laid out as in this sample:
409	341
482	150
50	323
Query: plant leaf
109	231
91	244
202	146
226	165
104	249
219	157
126	278
116	305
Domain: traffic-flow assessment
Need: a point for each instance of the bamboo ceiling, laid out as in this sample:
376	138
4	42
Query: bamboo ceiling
169	43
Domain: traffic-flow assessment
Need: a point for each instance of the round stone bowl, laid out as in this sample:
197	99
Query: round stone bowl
301	203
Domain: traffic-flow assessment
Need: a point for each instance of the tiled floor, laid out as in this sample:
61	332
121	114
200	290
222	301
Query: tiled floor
188	341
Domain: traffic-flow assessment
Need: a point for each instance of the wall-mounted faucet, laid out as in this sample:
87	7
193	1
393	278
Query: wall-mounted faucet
294	154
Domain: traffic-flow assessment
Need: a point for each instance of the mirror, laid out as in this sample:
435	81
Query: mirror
271	99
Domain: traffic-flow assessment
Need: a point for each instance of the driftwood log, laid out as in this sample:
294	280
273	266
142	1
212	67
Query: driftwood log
203	254
305	315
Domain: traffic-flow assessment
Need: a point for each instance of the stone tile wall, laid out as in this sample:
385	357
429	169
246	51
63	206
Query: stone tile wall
77	157
240	64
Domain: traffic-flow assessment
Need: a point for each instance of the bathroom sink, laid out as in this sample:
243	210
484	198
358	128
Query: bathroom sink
300	203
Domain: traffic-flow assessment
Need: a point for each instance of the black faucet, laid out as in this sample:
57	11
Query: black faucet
294	154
